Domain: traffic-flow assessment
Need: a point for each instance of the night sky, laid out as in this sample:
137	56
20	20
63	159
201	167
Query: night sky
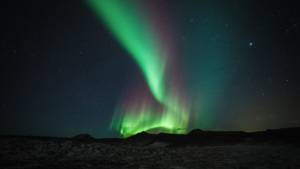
171	64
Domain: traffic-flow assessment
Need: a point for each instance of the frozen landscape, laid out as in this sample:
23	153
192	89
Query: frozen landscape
197	149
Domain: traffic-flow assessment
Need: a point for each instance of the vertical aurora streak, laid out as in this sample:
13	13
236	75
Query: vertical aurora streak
133	33
157	105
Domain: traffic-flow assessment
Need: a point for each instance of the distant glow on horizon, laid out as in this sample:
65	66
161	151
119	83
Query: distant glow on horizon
146	115
164	109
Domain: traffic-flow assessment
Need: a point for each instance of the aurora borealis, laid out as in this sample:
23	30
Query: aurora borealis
112	68
134	35
139	34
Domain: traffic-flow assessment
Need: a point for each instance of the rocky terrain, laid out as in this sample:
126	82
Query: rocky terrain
198	149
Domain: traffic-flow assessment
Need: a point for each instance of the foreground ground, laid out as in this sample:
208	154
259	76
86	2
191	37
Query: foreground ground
24	152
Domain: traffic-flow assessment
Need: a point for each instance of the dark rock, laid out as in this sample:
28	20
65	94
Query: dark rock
142	138
195	132
83	136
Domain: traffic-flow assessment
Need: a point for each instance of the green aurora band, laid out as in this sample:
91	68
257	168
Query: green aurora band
131	31
164	110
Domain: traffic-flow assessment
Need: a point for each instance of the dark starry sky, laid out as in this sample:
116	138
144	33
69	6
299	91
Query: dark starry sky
63	73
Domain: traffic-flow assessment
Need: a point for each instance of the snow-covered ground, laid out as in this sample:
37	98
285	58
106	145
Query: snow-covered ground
66	153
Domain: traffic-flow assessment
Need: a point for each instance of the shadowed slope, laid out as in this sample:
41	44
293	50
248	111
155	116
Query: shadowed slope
198	137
